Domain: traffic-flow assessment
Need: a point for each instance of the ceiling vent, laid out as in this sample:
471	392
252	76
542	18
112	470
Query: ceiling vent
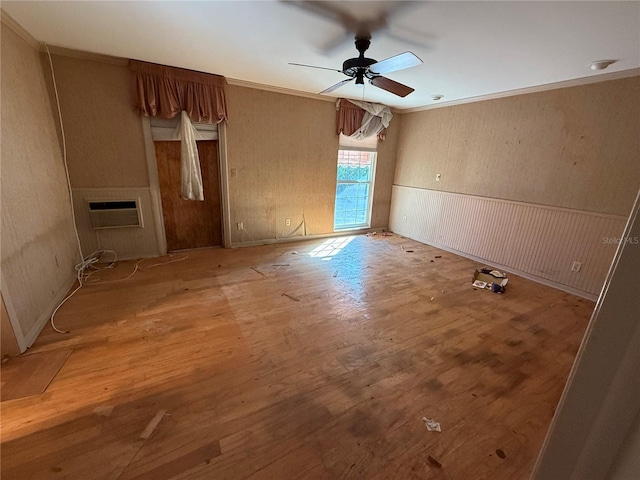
115	213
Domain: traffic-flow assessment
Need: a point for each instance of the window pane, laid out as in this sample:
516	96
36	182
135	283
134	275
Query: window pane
354	173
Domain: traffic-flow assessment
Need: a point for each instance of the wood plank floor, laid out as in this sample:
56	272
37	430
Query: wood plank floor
329	381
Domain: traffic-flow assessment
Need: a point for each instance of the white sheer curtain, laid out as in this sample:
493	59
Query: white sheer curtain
376	118
189	159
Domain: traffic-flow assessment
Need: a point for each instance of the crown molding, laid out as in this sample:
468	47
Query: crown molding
82	55
8	21
290	91
283	90
575	82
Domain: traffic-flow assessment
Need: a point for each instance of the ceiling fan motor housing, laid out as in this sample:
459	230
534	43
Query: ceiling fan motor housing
357	67
353	65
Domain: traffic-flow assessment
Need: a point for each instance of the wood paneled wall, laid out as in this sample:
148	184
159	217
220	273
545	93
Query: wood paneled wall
575	147
38	245
534	240
512	167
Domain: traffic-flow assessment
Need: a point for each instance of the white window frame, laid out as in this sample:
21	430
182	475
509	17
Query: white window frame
371	183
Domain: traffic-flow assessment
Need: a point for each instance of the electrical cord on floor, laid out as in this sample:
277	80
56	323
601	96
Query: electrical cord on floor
136	267
90	262
86	264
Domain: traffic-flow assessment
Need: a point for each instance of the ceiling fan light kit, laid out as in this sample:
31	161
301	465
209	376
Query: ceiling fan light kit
361	67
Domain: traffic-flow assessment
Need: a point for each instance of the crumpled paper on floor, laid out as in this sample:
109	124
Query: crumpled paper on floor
431	424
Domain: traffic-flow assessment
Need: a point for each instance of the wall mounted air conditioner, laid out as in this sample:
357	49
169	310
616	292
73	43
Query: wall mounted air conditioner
115	213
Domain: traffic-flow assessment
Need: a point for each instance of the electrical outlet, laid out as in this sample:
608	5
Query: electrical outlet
240	226
438	176
287	222
404	218
576	266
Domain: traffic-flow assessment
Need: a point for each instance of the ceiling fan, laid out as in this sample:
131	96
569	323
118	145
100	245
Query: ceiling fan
360	67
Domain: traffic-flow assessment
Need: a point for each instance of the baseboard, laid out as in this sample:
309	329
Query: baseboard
32	335
302	238
508	269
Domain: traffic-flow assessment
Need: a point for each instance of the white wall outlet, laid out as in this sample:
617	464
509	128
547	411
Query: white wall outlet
240	226
404	218
287	222
576	267
438	176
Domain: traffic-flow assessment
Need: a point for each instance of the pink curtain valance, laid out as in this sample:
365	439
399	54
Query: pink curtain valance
166	91
348	117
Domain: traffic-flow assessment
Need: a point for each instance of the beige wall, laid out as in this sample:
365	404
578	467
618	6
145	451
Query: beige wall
385	169
38	245
105	142
574	147
627	463
282	147
284	150
105	149
601	400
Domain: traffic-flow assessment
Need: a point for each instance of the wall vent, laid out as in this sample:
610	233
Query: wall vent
115	213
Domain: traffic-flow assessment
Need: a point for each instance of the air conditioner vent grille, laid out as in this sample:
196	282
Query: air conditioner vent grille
114	213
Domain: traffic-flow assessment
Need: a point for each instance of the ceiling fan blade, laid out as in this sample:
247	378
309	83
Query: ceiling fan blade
395	63
391	86
336	86
313	66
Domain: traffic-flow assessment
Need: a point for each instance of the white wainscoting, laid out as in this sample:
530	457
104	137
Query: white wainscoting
127	242
537	241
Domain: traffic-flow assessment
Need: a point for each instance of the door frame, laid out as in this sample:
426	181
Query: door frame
154	185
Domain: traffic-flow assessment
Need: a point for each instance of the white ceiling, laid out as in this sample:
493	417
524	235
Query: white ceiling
469	49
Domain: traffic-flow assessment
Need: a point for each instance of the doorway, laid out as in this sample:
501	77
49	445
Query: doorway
189	224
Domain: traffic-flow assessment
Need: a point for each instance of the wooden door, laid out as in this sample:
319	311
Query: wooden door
188	223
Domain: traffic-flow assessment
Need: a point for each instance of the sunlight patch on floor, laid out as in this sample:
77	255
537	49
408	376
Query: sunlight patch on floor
330	248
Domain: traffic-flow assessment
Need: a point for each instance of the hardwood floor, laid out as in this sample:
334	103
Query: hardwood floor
320	362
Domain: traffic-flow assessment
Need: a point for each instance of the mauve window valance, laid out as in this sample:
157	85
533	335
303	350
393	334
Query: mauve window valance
361	120
166	91
349	117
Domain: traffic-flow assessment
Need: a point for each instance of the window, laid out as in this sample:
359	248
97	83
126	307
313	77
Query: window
354	190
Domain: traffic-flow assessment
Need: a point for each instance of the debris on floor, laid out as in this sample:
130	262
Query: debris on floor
434	462
151	426
372	234
281	265
479	284
501	453
103	410
258	271
438	256
432	299
335	274
291	297
386	234
431	424
490	279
